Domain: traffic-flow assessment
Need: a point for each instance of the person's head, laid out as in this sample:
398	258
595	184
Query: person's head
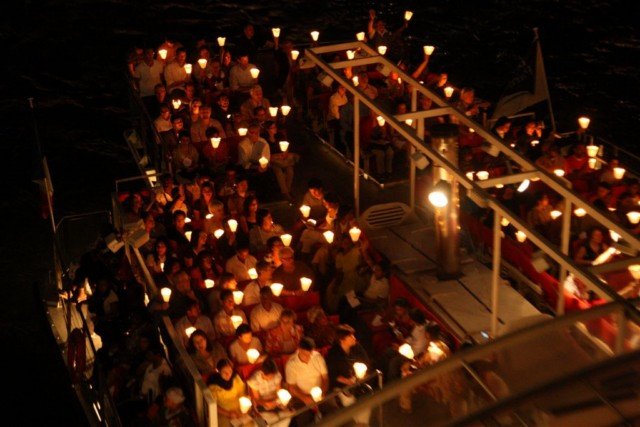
287	318
467	95
363	79
286	256
149	221
250	205
243	60
266	297
160	91
179	218
244	334
380	25
417	316
260	114
205	112
207	191
165	112
503	124
264	219
256	93
264	272
226	297
274	244
242	184
425	102
225	368
199	342
228	281
181	56
242	251
542	200
173	398
401	307
223	102
253	131
216	208
193	311
317	316
269	368
316	188
182	282
305	349
332	203
346	336
596	235
378	271
271	127
205	260
248	31
161	246
177	124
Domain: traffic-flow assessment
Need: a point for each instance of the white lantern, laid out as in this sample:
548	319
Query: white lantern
162	266
408	15
448	91
592	150
355	80
316	394
618	173
534	142
614	236
253	273
523	186
470	175
245	404
221	41
555	214
187	220
559	172
166	294
284	146
579	212
276	32
176	104
305	210
273	111
295	54
328	235
277	288
215	142
233	225
428	50
360	370
209	216
286	239
504	222
584	122
499	185
355	232
187	234
311	222
305	283
482	175
263	162
253	355
202	63
635	271
237	297
382	49
284	397
406	351
242	131
254	72
435	352
351	54
521	236
236	321
360	36
380	121
188	68
409	122
315	35
209	283
285	110
163	54
218	233
634	217
189	331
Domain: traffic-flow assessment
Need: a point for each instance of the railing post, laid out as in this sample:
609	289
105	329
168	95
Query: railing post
495	272
564	248
412	150
622	326
356	156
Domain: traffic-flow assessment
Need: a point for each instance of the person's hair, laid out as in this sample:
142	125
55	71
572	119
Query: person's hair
604	184
247	203
223	363
343	331
261	215
202	256
307	343
417	316
254	125
258	109
243	329
269	366
268	124
255	88
286	250
287	312
332	198
266	291
191	348
164	107
180	50
176	118
178	213
271	241
193	303
262	265
315	183
401	302
242	245
207	184
225	293
434	331
224	278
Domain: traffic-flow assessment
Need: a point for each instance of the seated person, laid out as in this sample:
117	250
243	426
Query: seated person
195	319
235	202
314	198
264	230
266	314
227	388
256	99
222	321
240	264
252	148
252	290
185	159
320	329
244	341
263	390
589	250
285	336
204	352
290	272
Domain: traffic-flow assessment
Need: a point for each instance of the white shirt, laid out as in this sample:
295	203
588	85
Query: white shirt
151	381
224	325
162	125
240	78
202	322
306	375
263	320
174	72
238	354
267	389
378	288
239	269
149	77
249	152
251	294
418	339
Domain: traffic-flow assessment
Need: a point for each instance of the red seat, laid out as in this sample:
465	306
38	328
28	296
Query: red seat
245	371
300	302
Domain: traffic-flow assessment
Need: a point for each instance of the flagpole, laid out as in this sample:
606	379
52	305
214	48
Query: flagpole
546	86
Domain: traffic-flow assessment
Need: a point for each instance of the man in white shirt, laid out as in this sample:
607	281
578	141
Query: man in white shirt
265	315
174	73
252	291
148	74
223	320
240	78
252	148
195	319
378	289
240	264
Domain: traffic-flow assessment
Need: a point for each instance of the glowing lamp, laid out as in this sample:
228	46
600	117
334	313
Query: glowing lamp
209	216
439	195
618	173
218	233
316	394
360	370
189	331
163	53
328	235
470	175
360	36
188	68
253	273
209	283
408	15
634	217
277	288
355	80
523	186
584	122
380	120
448	91
176	104
355	232
305	283
284	397
253	355
276	32
245	404
263	162
305	210
221	41
382	49
521	236
242	131
285	110
504	222
555	214
187	234
284	146
558	172
295	54
435	352
315	35
409	122
233	225
406	351
286	239
482	175
254	72
428	50
614	236
166	294
579	212
215	142
351	54
635	271
273	111
237	297
202	63
592	150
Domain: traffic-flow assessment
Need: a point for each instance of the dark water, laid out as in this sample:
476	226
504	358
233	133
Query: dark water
69	56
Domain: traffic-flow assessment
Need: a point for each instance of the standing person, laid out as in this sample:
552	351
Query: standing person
227	387
148	74
205	353
252	148
174	73
337	100
240	78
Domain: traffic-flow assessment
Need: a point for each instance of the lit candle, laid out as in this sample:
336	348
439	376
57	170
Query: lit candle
221	41
163	53
406	351
355	81
188	68
360	36
635	271
253	355
209	283
284	146
305	283
360	370
295	54
273	111
218	233
254	72
305	210
166	294
263	162
209	216
355	232
316	394
189	331
253	273
187	234
409	122
523	186
555	214
284	396
614	236
579	212
162	266
592	150
470	175
285	110
534	142
215	142
242	131
311	222
351	54
328	235
202	63
448	91
482	175
236	321
382	49
286	239
428	50
504	222
245	404
499	185
435	352
584	122
276	32
558	172
408	15
380	120
237	297
277	288
233	225
146	299
634	217
176	103
618	173
521	236
187	220
315	35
